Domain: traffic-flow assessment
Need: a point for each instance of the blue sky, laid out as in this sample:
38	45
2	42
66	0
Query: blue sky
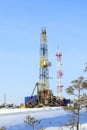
20	25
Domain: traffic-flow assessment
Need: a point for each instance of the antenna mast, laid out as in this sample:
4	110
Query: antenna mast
59	74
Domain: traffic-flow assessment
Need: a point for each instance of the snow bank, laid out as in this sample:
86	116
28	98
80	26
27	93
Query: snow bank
52	118
8	111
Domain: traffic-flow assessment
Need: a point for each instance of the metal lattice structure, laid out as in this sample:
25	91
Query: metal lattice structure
59	74
43	86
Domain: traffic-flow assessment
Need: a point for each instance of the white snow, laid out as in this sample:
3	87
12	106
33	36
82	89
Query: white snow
52	118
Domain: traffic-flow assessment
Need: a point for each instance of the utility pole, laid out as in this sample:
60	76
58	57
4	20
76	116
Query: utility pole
4	98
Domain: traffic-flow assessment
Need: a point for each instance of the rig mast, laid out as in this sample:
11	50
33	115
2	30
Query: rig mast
59	74
43	85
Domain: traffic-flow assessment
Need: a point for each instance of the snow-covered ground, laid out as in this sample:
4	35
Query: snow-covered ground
51	118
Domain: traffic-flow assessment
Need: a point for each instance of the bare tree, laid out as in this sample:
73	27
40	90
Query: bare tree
3	128
85	68
31	121
77	90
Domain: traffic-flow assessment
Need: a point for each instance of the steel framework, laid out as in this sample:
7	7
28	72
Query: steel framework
59	74
43	86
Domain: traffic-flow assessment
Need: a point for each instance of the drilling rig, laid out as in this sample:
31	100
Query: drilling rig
43	84
43	92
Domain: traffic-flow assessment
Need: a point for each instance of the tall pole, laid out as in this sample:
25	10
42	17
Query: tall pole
4	98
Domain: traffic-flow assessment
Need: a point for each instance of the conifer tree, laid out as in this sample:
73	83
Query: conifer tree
79	90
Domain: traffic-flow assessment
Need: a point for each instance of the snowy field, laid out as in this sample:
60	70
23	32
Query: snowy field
51	118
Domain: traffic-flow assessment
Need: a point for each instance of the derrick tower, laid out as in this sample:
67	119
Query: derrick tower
43	86
59	74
